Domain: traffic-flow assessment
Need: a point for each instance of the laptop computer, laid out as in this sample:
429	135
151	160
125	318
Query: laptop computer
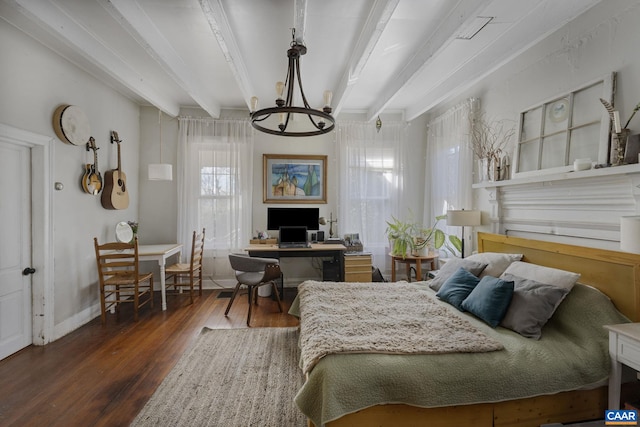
293	237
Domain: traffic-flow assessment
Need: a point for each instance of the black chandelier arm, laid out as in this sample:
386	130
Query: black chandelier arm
316	125
289	82
304	98
260	119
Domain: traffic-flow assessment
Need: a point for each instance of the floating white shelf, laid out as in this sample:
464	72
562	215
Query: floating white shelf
591	173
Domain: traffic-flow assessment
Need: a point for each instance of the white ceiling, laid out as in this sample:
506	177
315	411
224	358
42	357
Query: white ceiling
375	55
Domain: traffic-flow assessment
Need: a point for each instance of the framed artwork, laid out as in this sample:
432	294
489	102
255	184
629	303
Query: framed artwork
294	178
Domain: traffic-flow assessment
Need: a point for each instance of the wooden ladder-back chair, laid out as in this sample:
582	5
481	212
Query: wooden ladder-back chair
120	279
189	274
254	272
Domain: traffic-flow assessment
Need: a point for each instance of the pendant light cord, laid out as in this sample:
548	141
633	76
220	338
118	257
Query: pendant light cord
160	126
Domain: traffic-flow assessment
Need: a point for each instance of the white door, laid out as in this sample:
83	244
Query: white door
15	248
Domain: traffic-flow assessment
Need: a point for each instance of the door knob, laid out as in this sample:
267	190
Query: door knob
27	271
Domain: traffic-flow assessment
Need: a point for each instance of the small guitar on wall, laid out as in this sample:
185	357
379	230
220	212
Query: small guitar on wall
114	194
92	180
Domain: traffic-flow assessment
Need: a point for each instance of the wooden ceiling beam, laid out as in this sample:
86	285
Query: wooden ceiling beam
529	30
221	29
377	20
459	16
130	15
61	26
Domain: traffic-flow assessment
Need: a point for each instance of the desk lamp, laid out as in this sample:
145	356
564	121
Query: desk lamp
462	218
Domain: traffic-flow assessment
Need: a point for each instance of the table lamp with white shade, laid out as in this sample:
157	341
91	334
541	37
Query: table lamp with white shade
630	234
463	218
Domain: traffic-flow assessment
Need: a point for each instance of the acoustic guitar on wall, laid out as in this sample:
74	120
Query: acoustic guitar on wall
114	194
92	180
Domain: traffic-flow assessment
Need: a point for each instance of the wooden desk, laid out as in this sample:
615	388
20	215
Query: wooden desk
316	250
410	259
160	253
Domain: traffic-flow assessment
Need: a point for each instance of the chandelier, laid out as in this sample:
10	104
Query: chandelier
321	120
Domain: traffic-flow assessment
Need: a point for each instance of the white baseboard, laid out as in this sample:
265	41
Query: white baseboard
74	322
88	314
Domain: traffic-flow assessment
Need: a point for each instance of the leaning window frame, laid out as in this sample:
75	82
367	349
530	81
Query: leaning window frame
608	92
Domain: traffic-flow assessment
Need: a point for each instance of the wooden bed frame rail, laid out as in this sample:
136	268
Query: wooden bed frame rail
617	274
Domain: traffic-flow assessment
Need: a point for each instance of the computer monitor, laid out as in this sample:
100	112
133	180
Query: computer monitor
301	217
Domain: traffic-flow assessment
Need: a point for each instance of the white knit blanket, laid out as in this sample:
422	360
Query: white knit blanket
395	318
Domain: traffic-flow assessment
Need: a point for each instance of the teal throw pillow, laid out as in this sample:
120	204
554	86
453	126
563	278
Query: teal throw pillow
457	287
489	300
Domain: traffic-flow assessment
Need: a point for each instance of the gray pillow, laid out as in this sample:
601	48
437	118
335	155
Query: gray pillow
532	305
451	267
496	262
541	274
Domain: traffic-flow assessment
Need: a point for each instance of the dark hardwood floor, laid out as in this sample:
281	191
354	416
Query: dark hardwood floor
103	375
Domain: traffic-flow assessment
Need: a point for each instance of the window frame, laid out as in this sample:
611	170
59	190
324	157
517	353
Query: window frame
608	90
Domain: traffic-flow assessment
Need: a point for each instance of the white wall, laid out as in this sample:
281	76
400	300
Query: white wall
603	40
158	211
33	82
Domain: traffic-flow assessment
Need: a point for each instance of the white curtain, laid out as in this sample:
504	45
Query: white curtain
215	178
449	163
370	181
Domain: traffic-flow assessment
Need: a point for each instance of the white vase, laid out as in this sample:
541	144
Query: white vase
488	170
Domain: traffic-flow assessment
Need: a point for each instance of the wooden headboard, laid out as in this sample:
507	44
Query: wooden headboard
615	273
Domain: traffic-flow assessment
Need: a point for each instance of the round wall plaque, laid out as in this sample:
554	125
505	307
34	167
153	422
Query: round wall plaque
71	125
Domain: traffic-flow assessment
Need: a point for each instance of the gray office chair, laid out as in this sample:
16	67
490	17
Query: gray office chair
254	272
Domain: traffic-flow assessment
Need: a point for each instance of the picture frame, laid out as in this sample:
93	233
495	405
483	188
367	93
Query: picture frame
294	178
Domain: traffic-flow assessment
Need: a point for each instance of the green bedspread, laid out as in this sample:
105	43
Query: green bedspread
572	354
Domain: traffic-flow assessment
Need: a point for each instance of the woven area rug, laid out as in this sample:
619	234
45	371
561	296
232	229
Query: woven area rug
231	377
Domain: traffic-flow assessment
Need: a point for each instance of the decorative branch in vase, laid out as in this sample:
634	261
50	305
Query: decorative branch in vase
489	138
620	134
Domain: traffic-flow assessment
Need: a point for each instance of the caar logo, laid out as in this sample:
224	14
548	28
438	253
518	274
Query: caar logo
621	418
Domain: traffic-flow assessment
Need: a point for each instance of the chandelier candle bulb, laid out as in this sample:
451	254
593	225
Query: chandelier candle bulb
280	89
254	103
327	95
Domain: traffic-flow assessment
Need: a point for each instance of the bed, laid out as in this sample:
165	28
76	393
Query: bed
328	400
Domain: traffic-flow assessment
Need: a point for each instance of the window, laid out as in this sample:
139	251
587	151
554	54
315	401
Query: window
217	190
569	127
214	191
371	184
370	181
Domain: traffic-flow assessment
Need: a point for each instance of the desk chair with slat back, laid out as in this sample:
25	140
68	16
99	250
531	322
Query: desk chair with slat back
254	272
189	274
120	279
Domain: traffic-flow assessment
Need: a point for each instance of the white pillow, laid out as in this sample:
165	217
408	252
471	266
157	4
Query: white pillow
546	275
496	262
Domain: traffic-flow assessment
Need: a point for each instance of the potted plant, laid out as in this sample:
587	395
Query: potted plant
411	237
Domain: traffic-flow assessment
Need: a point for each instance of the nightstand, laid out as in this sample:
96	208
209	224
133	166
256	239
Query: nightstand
624	348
